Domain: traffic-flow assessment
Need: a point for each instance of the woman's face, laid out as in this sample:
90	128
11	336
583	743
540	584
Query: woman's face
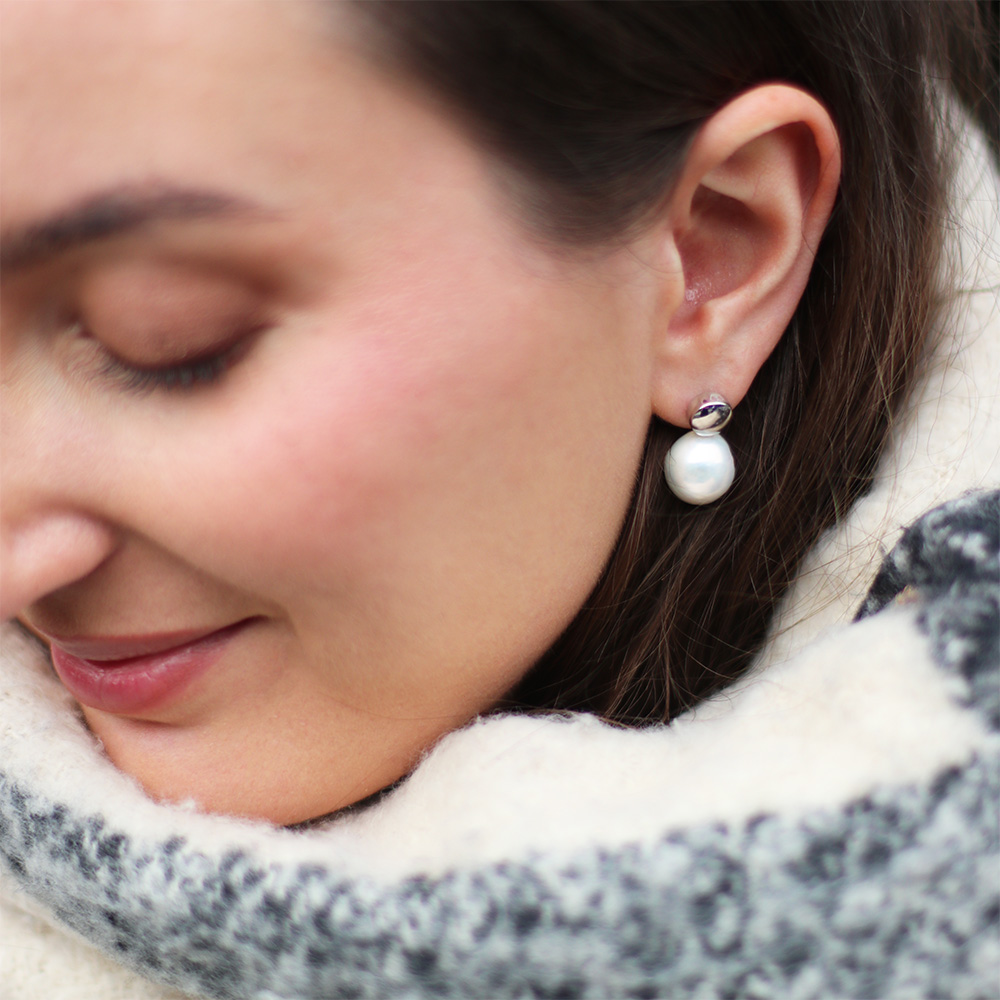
399	458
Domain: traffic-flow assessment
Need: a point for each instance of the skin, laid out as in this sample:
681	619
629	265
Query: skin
415	464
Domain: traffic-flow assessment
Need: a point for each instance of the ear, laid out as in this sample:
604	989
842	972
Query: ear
743	223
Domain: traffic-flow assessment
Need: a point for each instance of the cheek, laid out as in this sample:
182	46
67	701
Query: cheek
373	439
415	434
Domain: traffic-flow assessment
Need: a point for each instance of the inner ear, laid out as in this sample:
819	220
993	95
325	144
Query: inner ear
739	216
720	248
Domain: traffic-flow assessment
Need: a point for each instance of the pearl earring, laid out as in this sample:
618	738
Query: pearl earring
699	467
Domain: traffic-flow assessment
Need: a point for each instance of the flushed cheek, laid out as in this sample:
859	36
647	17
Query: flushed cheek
436	413
380	446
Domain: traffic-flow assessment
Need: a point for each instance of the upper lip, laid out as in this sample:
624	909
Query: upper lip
125	647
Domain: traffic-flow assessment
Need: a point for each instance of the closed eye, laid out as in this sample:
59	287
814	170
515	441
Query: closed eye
190	374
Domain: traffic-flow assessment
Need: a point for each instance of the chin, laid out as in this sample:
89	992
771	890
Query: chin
187	767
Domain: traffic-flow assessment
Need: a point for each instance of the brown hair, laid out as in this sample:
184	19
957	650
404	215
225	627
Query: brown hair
593	105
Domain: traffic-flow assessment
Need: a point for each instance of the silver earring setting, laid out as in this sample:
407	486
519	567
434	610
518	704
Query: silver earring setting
699	467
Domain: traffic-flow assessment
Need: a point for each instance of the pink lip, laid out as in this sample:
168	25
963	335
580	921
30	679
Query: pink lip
127	675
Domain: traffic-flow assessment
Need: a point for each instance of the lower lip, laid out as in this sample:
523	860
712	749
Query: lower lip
141	683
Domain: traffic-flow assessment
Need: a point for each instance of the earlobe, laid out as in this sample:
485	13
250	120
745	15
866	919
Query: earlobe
745	220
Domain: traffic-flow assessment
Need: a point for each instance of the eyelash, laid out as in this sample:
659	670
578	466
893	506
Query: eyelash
194	373
174	378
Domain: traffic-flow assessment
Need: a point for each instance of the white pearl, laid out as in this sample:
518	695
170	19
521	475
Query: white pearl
699	467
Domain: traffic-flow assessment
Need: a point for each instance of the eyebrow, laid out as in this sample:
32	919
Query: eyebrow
111	213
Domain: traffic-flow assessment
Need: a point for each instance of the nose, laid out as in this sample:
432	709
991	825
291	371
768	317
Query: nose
52	532
51	535
47	551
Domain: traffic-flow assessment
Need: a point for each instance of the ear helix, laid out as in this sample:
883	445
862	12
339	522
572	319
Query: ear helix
699	467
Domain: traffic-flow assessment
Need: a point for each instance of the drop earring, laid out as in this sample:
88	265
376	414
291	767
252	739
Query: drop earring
699	467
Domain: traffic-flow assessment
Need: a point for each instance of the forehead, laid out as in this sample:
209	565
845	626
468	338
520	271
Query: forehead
96	93
49	45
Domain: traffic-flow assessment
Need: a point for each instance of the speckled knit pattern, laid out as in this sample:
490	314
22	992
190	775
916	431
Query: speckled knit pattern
950	558
896	894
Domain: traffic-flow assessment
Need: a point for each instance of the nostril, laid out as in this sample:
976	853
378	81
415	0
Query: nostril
50	552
